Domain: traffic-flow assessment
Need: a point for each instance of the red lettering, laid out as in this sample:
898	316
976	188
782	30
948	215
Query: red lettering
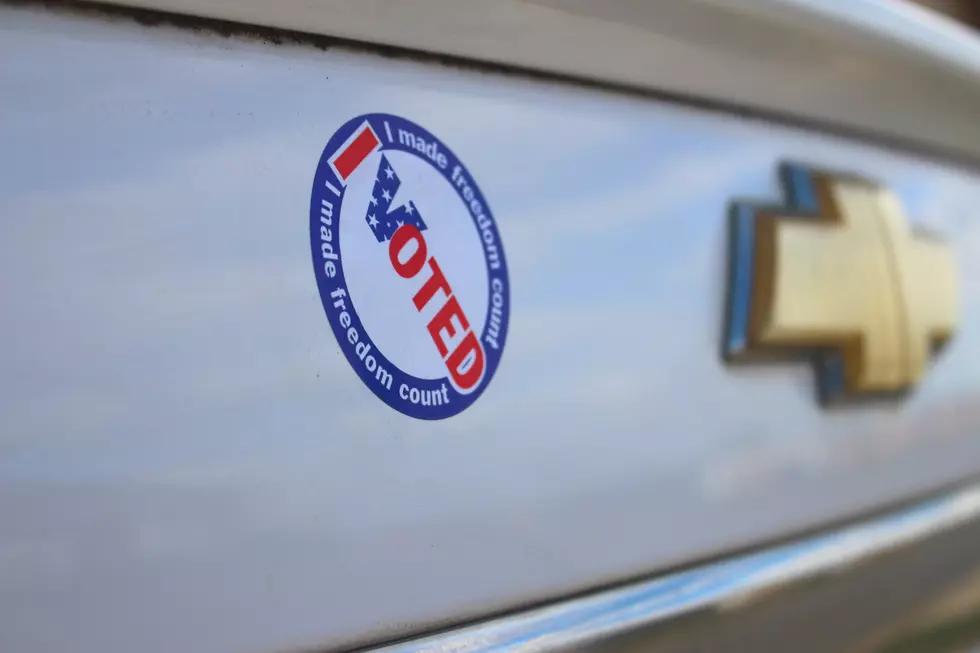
356	152
466	362
402	236
443	320
428	290
468	354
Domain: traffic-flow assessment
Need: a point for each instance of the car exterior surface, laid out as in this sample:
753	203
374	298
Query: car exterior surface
190	457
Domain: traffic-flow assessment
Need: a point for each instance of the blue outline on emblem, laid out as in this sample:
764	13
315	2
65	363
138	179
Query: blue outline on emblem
327	187
802	201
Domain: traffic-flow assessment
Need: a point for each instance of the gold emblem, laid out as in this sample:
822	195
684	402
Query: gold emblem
838	271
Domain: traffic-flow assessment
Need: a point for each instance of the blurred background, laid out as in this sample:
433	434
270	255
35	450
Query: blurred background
965	11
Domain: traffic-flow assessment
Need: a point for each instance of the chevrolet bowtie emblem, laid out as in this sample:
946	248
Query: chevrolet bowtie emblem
838	273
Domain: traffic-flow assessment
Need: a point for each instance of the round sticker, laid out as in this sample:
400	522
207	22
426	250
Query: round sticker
409	265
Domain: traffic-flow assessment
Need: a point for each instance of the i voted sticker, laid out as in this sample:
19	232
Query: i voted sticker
409	265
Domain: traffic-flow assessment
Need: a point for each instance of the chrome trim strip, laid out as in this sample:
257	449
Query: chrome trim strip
835	62
583	620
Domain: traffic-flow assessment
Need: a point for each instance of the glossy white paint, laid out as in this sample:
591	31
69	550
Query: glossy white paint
188	463
878	66
573	625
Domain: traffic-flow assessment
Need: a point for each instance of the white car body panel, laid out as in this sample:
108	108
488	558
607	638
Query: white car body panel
187	462
874	67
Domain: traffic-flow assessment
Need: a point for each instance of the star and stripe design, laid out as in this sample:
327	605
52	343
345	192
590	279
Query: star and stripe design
381	217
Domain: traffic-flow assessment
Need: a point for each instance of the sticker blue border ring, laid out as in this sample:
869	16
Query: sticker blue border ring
324	184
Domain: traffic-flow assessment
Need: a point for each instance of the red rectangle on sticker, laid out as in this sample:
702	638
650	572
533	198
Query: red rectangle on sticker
359	149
